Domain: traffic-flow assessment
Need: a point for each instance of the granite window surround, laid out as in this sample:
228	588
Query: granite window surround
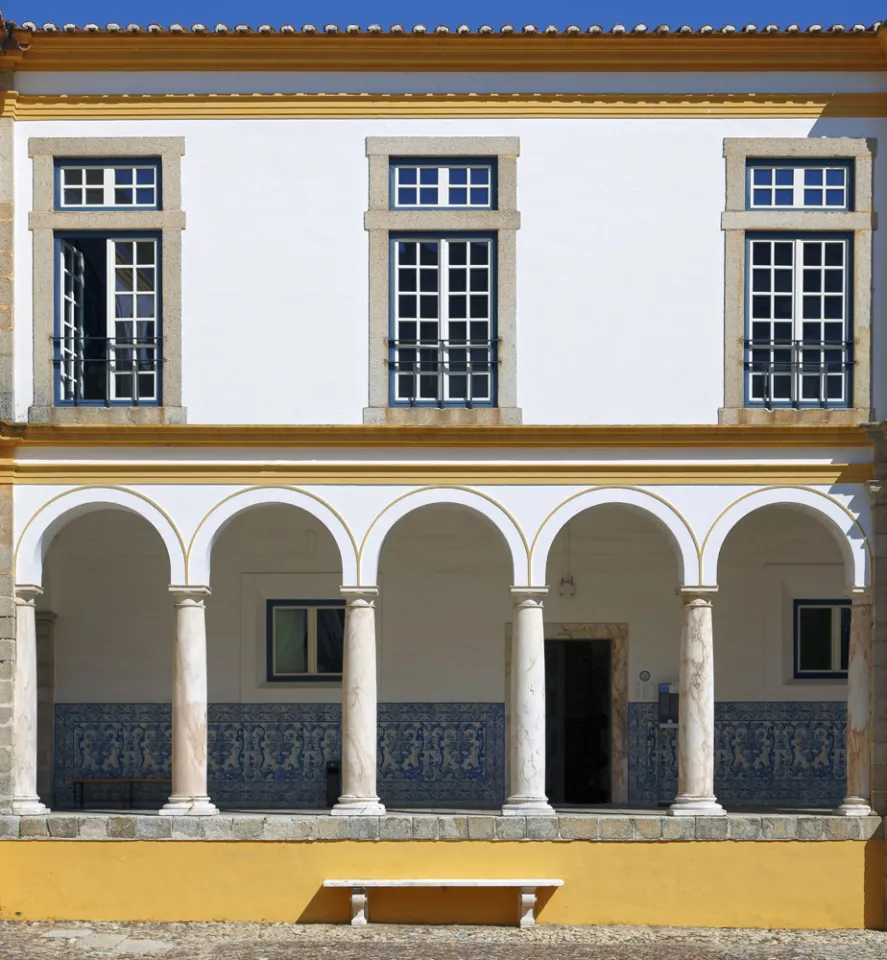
503	221
45	220
737	220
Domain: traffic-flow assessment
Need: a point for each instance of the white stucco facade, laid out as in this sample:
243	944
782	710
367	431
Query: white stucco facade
615	510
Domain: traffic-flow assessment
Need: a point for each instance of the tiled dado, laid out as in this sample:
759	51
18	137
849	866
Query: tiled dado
275	755
438	754
765	753
426	826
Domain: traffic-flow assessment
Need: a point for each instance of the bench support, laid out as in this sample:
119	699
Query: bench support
359	907
526	907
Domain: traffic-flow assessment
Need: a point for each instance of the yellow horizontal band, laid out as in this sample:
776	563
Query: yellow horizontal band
459	474
348	105
13	435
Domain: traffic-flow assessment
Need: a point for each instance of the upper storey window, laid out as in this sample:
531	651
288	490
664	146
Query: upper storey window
107	185
787	185
423	184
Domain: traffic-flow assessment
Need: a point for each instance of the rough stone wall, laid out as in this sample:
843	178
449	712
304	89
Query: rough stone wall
7	647
878	491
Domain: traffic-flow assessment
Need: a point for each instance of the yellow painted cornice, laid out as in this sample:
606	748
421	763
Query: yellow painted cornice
14	435
479	53
344	105
260	472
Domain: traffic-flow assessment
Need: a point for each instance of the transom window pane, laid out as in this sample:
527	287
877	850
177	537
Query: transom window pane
798	344
428	184
305	639
128	184
443	349
822	637
809	185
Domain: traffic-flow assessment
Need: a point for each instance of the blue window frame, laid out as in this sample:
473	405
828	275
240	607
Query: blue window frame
821	639
799	185
104	184
466	183
442	346
798	320
107	343
304	640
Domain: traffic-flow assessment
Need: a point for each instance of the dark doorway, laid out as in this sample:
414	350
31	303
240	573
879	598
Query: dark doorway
577	720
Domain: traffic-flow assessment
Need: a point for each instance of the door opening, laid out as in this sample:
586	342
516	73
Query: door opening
577	721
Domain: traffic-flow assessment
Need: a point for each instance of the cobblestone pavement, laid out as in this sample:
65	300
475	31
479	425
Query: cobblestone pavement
284	941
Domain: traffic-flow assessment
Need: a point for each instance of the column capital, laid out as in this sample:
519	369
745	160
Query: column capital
692	594
27	593
521	594
859	596
183	594
359	593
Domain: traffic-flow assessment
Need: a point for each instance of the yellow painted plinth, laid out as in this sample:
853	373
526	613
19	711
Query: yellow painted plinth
734	884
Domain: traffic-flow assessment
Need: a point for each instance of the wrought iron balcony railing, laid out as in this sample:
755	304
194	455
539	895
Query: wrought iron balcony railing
798	373
106	370
443	373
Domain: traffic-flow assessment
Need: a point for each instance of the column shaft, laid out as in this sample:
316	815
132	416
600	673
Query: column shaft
189	725
696	713
25	800
859	711
359	707
526	748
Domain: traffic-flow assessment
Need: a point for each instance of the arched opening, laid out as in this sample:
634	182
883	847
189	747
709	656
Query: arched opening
445	574
104	634
612	640
781	635
275	624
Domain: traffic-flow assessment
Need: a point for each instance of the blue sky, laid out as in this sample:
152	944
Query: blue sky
450	12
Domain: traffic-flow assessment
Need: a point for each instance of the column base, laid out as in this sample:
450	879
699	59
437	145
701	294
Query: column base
358	807
188	807
853	807
527	807
696	807
28	807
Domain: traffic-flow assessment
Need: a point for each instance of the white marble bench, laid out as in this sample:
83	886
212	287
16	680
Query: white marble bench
526	899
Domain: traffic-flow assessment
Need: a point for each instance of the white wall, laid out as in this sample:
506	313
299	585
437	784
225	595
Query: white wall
444	607
620	263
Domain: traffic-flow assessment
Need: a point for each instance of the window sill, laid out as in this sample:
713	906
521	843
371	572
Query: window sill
142	416
446	417
780	417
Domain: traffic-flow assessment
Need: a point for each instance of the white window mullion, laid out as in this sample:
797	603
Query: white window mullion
110	318
443	312
797	314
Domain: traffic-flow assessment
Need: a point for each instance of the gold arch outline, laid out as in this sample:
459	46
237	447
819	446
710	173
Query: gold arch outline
620	486
103	486
443	486
788	486
272	486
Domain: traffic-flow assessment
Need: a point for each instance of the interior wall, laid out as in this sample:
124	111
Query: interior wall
444	603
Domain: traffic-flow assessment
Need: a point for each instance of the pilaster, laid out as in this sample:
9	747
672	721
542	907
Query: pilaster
7	649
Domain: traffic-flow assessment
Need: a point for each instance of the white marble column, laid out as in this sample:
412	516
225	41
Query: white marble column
526	745
359	706
696	712
857	803
189	734
24	695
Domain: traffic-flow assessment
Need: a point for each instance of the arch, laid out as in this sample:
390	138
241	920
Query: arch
845	528
209	528
62	509
478	502
681	537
